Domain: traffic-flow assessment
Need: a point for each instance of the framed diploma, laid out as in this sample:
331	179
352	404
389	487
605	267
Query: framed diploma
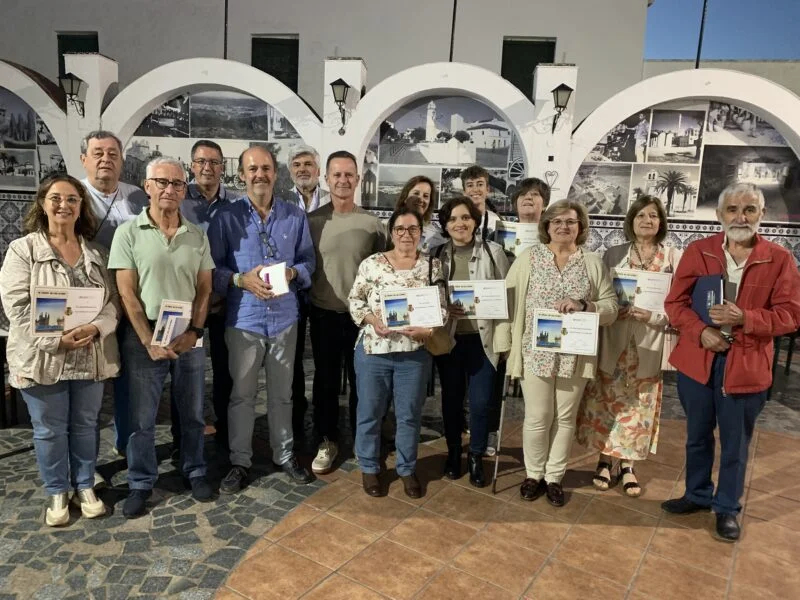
515	237
642	289
485	299
411	307
55	310
174	318
568	333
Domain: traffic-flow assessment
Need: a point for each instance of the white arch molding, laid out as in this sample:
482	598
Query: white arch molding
124	114
767	99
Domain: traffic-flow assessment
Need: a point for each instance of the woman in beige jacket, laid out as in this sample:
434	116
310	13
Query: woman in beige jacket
60	373
556	274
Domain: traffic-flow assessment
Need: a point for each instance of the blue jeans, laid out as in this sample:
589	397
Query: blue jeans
466	369
401	376
64	418
146	385
735	414
122	425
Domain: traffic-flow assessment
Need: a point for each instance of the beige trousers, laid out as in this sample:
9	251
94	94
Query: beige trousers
551	407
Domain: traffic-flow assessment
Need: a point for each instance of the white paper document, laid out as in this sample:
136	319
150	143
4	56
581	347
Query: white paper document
569	333
642	289
515	237
411	307
485	299
174	318
275	275
56	310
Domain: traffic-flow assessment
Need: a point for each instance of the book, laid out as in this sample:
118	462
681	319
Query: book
708	291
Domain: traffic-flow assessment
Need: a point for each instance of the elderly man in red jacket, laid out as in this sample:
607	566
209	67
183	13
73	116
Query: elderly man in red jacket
724	371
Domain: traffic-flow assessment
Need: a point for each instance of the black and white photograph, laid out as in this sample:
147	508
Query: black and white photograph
281	150
51	161
18	170
141	150
369	185
17	122
43	135
677	187
773	169
448	131
228	115
279	126
391	180
731	125
676	136
171	119
626	142
603	189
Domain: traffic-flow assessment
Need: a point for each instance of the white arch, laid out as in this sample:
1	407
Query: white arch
124	114
445	79
773	102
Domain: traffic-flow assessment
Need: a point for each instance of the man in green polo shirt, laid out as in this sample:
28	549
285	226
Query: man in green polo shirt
161	256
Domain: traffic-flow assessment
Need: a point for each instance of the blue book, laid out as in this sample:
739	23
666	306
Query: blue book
708	291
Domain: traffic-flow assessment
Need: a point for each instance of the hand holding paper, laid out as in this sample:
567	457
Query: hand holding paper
275	276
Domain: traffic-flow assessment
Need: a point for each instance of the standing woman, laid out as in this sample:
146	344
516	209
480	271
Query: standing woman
471	365
419	193
61	378
391	365
555	274
620	410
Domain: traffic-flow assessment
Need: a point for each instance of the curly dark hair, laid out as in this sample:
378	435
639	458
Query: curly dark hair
410	185
450	205
36	219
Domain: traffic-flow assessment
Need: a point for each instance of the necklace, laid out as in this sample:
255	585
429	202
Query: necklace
645	264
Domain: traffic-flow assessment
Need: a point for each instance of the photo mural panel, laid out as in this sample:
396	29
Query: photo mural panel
686	154
439	136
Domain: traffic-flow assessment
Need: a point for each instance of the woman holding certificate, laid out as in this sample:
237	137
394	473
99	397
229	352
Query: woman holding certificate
395	307
470	367
620	409
60	367
419	193
560	295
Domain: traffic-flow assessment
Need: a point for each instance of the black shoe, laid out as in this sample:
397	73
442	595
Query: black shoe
371	484
293	469
682	506
475	465
555	494
531	489
134	503
234	481
452	466
411	486
201	489
728	529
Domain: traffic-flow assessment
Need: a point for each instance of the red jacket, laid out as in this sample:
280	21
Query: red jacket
769	295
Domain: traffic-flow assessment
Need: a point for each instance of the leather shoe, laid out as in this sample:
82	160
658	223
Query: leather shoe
372	486
201	489
134	503
452	466
555	494
298	473
411	486
531	489
234	481
475	465
728	529
682	506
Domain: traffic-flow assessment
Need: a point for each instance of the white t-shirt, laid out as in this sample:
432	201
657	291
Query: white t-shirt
112	210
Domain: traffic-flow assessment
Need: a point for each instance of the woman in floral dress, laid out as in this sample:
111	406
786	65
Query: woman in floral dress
620	409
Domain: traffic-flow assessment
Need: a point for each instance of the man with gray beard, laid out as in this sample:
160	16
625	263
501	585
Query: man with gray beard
725	370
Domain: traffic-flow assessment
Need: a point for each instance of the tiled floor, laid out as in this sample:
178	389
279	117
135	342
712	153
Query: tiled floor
460	542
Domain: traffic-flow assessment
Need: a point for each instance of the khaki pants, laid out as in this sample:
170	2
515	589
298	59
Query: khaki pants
551	407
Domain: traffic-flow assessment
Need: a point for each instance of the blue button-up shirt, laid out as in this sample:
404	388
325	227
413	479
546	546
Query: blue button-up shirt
241	241
200	211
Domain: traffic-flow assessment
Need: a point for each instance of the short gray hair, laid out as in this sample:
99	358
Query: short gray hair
737	189
301	150
163	160
99	134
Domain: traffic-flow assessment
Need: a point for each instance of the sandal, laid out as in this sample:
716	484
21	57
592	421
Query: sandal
602	482
632	488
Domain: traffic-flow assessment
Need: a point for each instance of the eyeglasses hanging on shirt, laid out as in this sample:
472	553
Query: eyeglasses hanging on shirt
268	247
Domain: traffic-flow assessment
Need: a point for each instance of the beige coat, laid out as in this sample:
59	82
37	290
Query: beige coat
29	263
508	334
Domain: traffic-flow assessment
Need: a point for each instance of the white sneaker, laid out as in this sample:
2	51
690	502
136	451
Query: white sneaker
99	480
326	454
57	513
91	505
491	444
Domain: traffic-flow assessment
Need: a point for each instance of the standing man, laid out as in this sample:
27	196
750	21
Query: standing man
344	234
475	181
725	370
641	137
161	256
257	231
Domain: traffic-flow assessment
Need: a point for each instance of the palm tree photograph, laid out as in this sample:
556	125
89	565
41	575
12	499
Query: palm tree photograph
675	185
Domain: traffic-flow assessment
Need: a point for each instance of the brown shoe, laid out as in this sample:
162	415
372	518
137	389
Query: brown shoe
412	486
371	484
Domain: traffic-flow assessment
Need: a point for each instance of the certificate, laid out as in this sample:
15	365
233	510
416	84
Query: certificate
515	237
174	318
486	299
55	310
643	289
275	275
411	307
568	333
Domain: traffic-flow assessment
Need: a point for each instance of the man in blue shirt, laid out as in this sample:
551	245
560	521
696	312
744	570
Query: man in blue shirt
261	328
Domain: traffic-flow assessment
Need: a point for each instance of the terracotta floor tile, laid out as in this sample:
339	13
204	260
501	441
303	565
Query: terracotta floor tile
745	592
558	581
430	487
671	452
375	514
290	575
781	482
451	584
260	545
527	528
297	517
771	538
627	526
600	555
657	482
673	580
337	587
332	494
763	571
432	534
329	541
693	547
775	509
391	569
464	505
569	513
225	593
500	562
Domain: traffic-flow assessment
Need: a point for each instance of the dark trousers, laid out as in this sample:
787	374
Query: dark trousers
333	339
299	401
497	397
735	414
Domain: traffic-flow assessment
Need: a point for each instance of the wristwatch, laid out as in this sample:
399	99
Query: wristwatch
198	331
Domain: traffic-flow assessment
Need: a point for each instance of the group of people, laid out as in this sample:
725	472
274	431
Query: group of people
194	243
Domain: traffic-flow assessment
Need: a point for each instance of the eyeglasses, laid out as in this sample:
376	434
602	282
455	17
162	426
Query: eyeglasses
163	184
270	248
400	231
58	200
567	222
204	161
